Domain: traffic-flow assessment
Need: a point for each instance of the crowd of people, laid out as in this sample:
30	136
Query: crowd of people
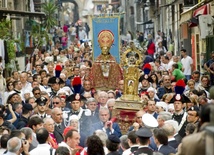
52	108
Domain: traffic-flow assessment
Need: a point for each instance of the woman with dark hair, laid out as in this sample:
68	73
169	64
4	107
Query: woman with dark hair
95	146
154	80
9	89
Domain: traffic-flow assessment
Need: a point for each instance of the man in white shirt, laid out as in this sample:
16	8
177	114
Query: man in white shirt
82	35
43	147
187	64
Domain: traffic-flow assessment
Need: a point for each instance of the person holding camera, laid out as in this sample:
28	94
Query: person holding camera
104	124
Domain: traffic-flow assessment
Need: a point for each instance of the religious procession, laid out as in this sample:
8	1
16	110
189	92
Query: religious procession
92	91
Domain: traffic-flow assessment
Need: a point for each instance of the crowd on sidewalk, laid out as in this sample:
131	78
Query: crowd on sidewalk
52	107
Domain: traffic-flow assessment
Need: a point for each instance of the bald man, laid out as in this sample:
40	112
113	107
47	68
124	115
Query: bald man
138	121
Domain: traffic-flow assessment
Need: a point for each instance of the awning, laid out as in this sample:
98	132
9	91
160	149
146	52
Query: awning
186	17
144	23
203	10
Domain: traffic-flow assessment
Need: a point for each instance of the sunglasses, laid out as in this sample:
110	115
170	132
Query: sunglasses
55	102
36	93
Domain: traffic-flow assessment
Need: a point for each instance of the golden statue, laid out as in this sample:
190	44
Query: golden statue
131	59
105	72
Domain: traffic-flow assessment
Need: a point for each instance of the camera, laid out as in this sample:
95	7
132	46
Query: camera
23	141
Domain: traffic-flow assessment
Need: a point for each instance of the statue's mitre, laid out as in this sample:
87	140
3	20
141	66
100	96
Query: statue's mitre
105	38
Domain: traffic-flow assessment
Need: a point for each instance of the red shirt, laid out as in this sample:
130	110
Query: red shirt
151	49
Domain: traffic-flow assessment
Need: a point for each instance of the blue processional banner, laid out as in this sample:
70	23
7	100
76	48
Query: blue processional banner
110	23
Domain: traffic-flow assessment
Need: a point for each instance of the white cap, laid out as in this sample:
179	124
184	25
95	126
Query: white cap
162	104
67	89
48	59
73	117
171	106
151	89
62	91
149	121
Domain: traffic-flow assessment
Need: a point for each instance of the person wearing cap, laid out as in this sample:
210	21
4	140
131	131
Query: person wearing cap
41	107
112	144
109	127
83	115
161	106
171	108
26	113
143	139
13	98
195	144
193	115
152	94
179	99
144	81
180	116
55	81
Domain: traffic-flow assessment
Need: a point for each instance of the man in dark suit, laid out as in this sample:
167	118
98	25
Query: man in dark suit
56	115
91	104
143	136
161	141
170	131
104	124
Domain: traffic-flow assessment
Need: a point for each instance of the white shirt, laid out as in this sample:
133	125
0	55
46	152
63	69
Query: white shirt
128	151
186	63
65	145
42	149
82	35
159	146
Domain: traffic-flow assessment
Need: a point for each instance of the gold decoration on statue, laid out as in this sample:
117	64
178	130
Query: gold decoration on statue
131	59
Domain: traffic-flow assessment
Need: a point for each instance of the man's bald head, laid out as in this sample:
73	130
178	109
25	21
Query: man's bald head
14	144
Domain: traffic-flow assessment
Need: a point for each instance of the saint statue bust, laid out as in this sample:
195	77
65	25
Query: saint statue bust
105	72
